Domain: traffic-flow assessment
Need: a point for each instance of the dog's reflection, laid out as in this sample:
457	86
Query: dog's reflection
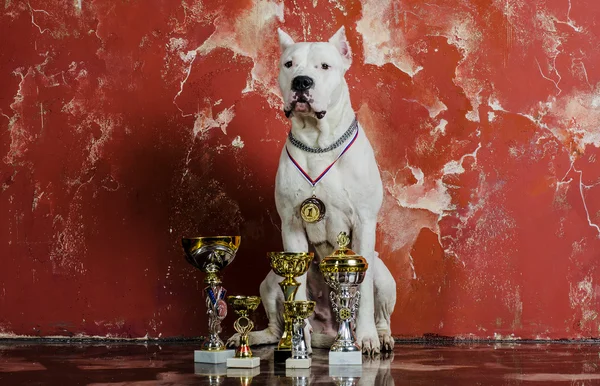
374	371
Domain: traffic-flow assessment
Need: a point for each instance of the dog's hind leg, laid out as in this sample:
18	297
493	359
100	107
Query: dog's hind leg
272	300
385	300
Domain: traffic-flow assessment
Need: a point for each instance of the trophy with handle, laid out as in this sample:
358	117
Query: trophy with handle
243	306
211	255
289	265
298	311
344	271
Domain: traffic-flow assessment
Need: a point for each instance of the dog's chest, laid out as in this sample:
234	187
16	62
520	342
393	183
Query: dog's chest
321	175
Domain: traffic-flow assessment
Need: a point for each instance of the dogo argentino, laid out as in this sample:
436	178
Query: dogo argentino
327	182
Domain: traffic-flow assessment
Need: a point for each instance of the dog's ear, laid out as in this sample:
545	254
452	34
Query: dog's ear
341	43
285	40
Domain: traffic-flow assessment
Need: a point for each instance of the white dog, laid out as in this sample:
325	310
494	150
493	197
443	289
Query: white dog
324	133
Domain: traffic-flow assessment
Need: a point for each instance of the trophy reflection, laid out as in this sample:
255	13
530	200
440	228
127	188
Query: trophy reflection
289	265
298	311
243	306
211	255
214	374
344	271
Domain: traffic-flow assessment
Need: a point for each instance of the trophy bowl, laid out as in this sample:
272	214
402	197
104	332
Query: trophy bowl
210	254
243	305
290	264
299	309
344	271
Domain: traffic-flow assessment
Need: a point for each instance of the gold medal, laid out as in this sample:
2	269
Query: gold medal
312	210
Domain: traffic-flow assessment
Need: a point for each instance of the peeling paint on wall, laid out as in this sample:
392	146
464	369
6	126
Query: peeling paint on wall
123	134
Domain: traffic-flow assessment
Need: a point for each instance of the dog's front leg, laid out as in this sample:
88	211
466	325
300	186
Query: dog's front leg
295	240
363	242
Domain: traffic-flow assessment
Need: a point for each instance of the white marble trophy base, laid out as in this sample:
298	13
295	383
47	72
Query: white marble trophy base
243	363
292	363
345	358
201	356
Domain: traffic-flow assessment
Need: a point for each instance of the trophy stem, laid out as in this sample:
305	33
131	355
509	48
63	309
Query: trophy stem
243	325
289	286
345	304
212	278
285	343
215	311
299	350
243	351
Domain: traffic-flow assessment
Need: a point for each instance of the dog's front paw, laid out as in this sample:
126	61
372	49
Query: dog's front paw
234	341
386	341
369	341
308	330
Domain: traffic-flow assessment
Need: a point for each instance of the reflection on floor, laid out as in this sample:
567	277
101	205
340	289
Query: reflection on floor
172	364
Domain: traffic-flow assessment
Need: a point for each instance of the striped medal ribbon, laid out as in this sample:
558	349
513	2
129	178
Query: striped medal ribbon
313	209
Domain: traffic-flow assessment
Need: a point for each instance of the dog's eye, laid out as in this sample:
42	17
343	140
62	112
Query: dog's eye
288	64
325	66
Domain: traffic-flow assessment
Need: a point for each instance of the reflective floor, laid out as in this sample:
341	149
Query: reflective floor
172	364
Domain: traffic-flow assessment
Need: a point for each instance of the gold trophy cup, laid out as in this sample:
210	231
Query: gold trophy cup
211	255
344	271
243	306
289	265
298	311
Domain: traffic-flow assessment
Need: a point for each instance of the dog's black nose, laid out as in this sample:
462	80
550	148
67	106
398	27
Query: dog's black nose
302	83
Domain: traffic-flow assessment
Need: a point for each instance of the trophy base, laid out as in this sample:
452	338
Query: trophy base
280	356
210	369
243	363
345	358
351	371
242	373
202	356
293	363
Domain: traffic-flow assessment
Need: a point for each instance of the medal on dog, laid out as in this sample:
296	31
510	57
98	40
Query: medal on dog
312	209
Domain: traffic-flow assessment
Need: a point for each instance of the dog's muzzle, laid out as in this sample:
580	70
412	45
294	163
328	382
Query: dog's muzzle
301	103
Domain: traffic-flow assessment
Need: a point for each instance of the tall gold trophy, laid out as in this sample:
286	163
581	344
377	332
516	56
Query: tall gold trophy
243	306
289	265
344	271
211	255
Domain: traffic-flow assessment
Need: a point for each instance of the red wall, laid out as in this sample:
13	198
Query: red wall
127	124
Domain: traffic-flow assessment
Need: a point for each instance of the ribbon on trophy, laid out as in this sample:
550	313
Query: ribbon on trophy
313	209
216	300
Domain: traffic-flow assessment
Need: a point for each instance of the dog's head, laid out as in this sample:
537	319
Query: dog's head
311	75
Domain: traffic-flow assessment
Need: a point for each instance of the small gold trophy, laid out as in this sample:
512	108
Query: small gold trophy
344	271
243	306
298	311
211	255
289	265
